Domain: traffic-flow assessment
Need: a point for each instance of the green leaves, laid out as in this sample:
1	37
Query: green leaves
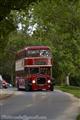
59	22
57	25
7	19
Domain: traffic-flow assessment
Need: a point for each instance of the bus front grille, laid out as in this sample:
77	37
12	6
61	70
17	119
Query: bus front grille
41	80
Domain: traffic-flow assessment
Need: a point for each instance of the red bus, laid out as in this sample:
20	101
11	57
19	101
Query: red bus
34	68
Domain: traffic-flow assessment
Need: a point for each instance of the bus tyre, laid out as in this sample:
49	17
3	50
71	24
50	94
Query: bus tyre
27	86
52	88
18	87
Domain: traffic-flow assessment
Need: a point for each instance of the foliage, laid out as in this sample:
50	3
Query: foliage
75	80
7	59
59	22
70	89
56	25
12	5
9	13
78	118
7	24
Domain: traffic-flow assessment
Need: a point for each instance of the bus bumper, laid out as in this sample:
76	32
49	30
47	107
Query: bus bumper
41	87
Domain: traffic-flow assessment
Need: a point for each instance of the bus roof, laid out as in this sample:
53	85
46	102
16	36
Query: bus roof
34	48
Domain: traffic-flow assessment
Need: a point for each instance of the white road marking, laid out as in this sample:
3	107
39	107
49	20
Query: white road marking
29	105
1	104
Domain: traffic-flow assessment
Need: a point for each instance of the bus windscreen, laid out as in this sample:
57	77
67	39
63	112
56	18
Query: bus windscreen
41	70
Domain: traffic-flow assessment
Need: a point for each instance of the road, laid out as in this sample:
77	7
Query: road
39	106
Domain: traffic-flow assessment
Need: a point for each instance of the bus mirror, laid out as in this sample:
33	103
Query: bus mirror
53	81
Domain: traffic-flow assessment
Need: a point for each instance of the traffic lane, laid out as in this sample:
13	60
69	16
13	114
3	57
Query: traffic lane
51	107
48	104
21	100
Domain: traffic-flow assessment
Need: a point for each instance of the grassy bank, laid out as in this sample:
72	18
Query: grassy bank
78	118
5	93
70	89
4	96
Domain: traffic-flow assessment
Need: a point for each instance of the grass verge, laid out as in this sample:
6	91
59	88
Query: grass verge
73	90
70	89
5	96
78	118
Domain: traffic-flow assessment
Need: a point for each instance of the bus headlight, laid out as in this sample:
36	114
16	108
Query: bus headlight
33	81
49	81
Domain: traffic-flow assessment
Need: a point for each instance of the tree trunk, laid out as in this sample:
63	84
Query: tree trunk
67	79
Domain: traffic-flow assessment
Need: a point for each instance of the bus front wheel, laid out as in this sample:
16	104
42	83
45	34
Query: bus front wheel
18	87
27	86
52	88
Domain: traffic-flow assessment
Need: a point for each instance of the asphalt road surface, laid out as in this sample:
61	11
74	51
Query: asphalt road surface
41	105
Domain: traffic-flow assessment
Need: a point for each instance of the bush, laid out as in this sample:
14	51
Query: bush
75	81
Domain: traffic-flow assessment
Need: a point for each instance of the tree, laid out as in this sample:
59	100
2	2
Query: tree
59	22
7	24
7	59
12	5
56	25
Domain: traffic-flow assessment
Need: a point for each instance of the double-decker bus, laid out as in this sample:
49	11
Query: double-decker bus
34	68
